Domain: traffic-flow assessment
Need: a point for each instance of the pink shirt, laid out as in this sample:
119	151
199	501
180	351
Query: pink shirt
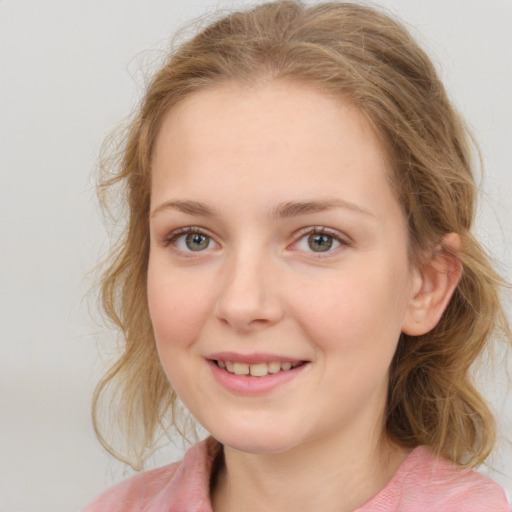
421	484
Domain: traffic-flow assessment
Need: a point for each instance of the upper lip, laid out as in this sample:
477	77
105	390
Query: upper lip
252	358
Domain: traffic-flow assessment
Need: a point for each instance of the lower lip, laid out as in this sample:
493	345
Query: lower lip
248	385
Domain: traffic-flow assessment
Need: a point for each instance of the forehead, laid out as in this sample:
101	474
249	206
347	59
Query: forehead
286	110
274	138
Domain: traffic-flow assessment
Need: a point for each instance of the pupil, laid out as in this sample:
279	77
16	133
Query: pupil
320	242
197	242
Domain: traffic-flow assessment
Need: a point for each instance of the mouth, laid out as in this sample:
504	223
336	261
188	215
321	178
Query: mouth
261	369
255	374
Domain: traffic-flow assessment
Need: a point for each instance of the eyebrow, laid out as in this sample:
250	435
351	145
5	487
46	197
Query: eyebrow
283	210
189	207
295	208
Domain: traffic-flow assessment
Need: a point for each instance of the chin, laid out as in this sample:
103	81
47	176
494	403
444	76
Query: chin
256	446
256	440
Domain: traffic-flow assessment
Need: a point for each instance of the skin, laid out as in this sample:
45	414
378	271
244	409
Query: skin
258	287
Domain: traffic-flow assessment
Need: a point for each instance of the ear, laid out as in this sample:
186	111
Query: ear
433	287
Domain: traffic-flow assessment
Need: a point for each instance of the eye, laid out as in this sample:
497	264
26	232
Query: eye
196	241
191	240
319	240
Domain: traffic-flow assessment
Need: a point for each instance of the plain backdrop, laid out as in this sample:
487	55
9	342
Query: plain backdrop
70	71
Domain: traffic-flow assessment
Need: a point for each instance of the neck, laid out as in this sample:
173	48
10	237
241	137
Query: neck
329	474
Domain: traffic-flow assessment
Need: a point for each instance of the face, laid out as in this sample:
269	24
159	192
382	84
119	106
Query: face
278	276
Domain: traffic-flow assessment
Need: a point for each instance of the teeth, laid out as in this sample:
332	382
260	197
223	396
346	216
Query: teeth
241	368
257	369
274	367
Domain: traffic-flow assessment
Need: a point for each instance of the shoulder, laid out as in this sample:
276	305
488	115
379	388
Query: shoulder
425	483
136	492
164	489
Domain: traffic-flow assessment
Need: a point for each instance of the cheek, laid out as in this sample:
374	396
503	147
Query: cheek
359	313
177	307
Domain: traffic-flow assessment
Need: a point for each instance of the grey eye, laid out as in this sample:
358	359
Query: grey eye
320	242
197	241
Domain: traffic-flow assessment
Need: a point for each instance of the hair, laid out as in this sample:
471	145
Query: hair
363	56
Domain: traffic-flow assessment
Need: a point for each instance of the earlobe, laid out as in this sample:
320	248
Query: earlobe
434	285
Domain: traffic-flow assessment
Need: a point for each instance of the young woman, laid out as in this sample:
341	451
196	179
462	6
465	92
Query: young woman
298	268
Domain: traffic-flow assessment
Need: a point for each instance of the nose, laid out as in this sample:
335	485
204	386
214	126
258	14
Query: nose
248	297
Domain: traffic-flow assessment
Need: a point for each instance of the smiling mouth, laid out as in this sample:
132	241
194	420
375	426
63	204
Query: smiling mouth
257	369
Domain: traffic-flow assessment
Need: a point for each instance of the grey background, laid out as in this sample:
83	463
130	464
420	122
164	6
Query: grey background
69	72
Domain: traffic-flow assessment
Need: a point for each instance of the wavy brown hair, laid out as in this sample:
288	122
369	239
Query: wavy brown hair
363	56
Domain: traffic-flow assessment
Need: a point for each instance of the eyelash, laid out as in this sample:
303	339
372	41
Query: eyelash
343	241
172	238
